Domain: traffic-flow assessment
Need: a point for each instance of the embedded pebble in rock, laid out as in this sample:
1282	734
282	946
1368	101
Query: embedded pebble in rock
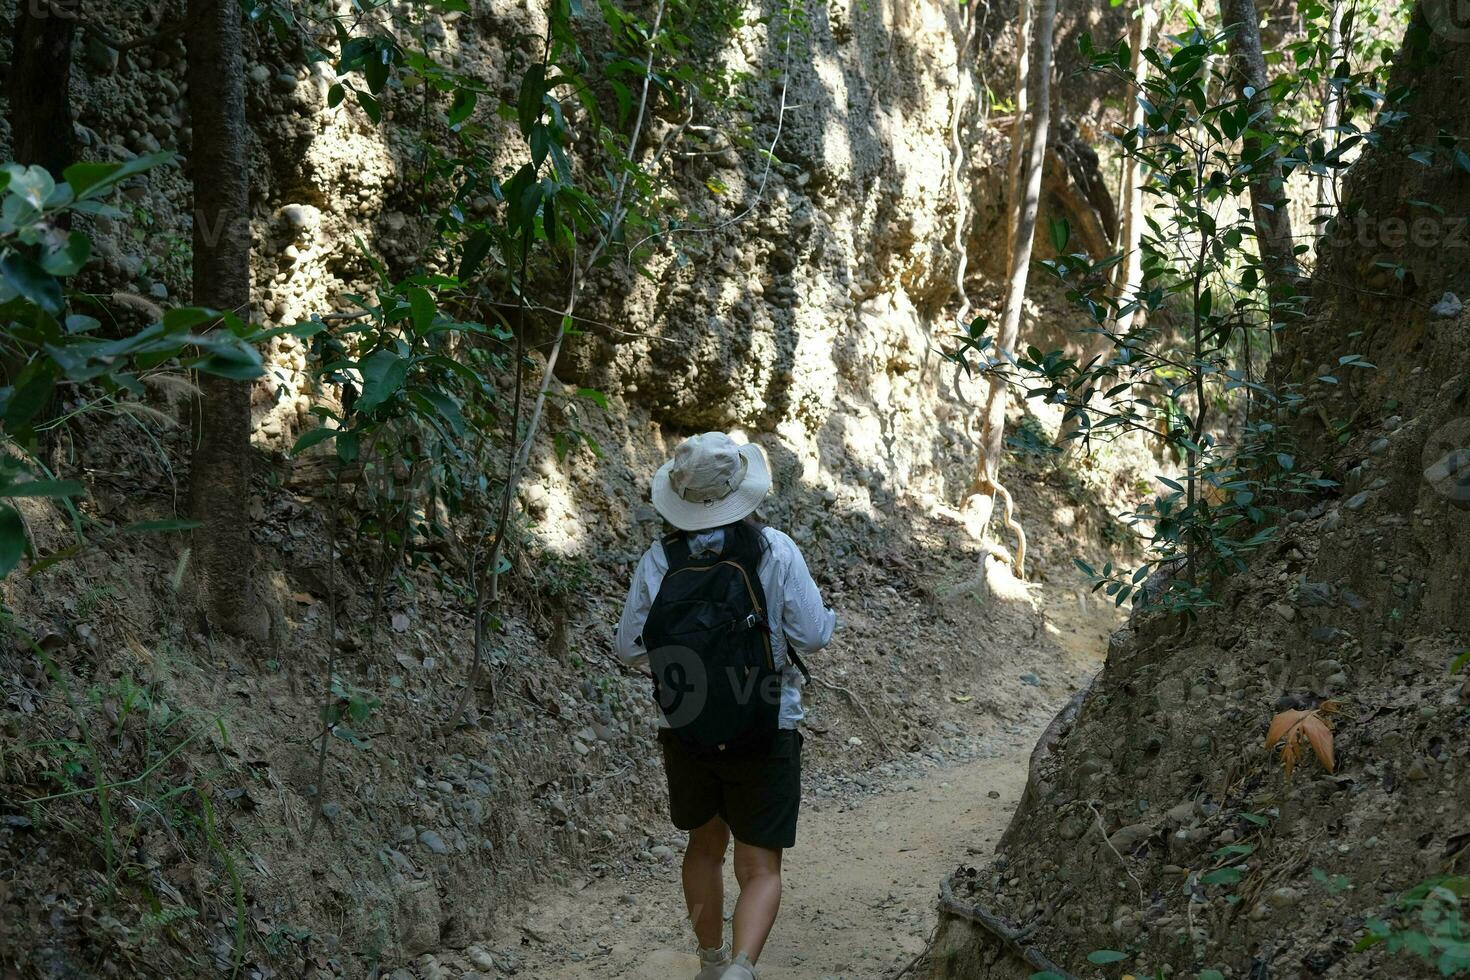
433	841
1449	305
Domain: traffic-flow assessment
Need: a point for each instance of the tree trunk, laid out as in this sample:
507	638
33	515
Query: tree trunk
1268	187
1130	271
219	482
992	433
1331	114
39	83
1018	130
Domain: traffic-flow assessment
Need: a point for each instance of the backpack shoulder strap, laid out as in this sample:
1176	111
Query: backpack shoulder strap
800	665
676	549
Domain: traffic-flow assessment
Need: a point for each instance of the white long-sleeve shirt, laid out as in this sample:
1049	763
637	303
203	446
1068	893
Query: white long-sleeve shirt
794	607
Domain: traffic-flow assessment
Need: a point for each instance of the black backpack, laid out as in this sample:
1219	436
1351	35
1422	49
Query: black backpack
709	645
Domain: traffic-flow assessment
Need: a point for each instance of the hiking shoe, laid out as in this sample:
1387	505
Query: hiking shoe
712	963
741	969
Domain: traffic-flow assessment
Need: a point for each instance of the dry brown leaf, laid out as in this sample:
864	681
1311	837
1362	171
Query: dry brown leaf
1294	730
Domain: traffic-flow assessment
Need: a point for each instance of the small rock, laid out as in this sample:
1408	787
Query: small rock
1450	477
433	841
1357	500
480	958
1180	813
1449	305
99	55
661	853
1284	897
1031	679
1125	839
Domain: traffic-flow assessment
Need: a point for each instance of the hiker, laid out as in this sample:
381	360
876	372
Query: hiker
720	609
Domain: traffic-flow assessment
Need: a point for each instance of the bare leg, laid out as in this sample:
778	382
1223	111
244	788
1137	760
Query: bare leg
704	881
758	869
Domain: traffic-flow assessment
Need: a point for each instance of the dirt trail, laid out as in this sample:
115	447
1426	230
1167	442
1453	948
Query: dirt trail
860	884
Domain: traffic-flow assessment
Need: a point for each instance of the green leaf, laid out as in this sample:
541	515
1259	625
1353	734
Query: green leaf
347	447
31	281
375	70
422	308
182	319
12	540
540	142
32	391
1102	956
1222	876
90	180
335	95
157	527
1211	975
315	436
69	258
1458	664
463	105
1061	232
475	251
369	106
383	374
44	488
238	362
592	394
446	407
625	99
531	98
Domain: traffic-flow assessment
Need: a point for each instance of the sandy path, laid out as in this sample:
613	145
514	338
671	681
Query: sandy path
860	884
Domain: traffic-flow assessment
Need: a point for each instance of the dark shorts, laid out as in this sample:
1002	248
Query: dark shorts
757	796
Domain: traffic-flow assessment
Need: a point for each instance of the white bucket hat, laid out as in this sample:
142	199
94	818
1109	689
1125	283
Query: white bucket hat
711	481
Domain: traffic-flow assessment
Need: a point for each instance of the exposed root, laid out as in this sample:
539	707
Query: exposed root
1013	937
986	487
1097	814
856	703
1014	526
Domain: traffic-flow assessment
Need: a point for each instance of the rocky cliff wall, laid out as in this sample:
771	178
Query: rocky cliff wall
1159	827
810	322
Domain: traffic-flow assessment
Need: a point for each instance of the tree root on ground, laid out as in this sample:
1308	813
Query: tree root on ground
856	703
994	488
1009	936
